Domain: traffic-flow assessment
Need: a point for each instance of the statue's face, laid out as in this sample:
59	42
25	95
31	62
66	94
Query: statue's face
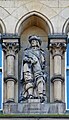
35	43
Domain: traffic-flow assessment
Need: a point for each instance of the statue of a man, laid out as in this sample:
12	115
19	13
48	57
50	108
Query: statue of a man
33	69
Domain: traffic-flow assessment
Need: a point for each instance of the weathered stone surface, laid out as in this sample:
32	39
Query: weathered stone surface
61	108
10	108
34	107
13	13
44	108
13	10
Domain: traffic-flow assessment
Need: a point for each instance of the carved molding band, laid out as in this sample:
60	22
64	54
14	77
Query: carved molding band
10	78
57	77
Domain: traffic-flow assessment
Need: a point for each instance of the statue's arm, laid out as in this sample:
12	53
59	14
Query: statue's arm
26	58
43	60
43	66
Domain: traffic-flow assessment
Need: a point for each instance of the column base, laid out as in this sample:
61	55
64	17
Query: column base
9	101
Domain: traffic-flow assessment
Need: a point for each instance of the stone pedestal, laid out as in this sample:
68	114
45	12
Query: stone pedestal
34	107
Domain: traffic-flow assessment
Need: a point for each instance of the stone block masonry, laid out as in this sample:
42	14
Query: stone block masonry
34	108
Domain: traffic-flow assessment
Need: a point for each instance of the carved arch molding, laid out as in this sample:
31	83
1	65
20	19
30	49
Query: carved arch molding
2	27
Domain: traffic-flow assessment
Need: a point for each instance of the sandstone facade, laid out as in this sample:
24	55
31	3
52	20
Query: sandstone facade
39	17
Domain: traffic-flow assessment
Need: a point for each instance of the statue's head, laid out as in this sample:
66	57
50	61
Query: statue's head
35	40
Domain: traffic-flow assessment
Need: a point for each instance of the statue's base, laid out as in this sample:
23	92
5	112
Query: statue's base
34	106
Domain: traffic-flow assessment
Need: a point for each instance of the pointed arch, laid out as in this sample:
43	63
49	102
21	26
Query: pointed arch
38	24
2	27
44	19
65	28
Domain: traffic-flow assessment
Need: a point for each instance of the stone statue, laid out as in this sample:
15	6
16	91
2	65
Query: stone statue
34	76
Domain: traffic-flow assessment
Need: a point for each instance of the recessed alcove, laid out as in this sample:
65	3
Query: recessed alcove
1	30
34	25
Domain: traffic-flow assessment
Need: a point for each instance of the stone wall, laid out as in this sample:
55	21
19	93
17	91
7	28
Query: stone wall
42	17
34	108
56	12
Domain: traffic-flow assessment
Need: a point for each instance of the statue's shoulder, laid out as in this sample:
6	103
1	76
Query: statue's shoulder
26	49
42	50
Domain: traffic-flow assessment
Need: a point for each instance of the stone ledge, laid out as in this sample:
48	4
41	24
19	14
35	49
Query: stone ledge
34	117
34	108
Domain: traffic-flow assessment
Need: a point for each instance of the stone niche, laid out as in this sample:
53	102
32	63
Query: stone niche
34	25
33	105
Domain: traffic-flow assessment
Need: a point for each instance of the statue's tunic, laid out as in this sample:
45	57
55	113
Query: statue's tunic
34	62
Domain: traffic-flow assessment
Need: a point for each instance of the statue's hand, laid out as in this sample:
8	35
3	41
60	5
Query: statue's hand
29	60
34	62
45	75
26	60
45	78
43	65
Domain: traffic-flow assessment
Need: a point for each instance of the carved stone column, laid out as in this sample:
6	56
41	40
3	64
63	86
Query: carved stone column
57	46
10	47
10	70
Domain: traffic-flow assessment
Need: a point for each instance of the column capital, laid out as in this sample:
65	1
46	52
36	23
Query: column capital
10	48
10	41
57	44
